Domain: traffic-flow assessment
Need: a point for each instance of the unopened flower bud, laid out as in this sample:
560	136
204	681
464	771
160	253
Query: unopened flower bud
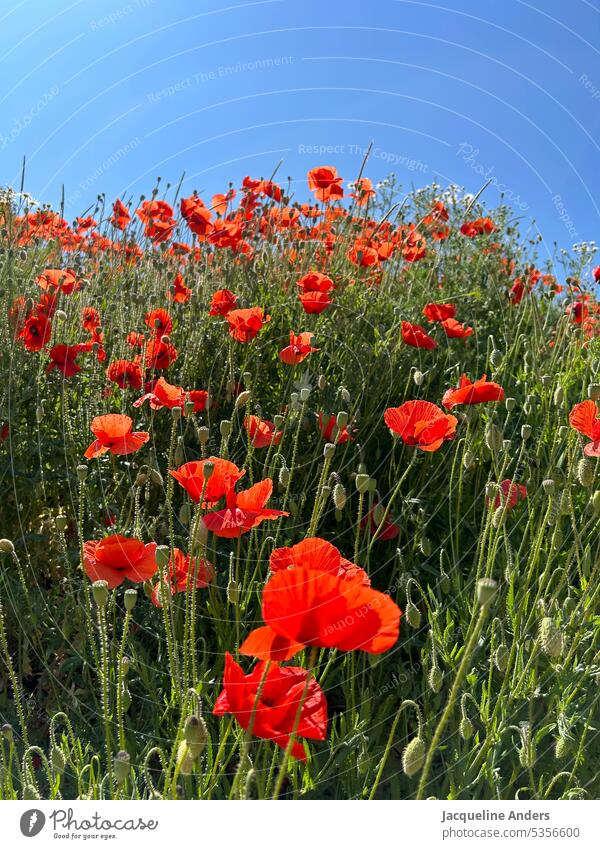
465	728
413	757
493	438
225	428
418	377
58	760
595	502
339	496
242	399
496	358
341	419
413	615
435	678
344	395
278	421
551	638
486	590
7	731
284	476
156	478
122	766
559	396
500	657
328	450
233	591
100	592
82	472
322	382
184	758
586	471
195	734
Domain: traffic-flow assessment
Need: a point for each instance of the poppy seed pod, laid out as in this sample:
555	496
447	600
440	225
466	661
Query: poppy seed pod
247	377
225	428
510	404
594	391
189	407
203	435
341	419
61	522
305	394
7	731
328	450
242	399
277	421
362	483
162	556
6	547
100	592
82	472
549	486
413	757
122	765
130	598
486	591
525	432
339	496
563	431
208	469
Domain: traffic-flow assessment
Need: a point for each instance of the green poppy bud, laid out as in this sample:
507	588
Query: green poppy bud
100	592
486	591
413	757
122	766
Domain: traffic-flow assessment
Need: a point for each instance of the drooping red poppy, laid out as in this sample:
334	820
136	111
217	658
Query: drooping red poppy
325	183
421	423
309	607
159	321
125	373
512	493
191	477
184	573
298	350
416	336
160	354
114	434
314	303
328	427
472	393
244	511
59	280
585	419
262	433
316	553
178	291
267	702
36	332
439	312
120	217
117	557
64	358
163	394
223	302
455	330
245	324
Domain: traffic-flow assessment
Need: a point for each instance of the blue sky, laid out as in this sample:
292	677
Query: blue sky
106	96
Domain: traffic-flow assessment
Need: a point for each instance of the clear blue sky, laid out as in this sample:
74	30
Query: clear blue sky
104	96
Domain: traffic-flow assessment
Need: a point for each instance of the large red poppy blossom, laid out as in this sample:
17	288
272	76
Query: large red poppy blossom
222	302
268	704
261	433
421	423
116	557
199	398
191	477
439	312
184	573
417	336
160	354
36	332
472	393
314	303
325	183
298	350
363	191
114	434
159	321
125	373
314	281
178	291
90	319
455	330
64	358
245	324
59	280
309	607
163	394
584	417
244	511
316	553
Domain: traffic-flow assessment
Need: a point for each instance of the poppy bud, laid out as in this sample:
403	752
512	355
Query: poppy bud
6	547
413	614
510	404
122	766
551	638
425	546
341	419
344	395
7	731
585	472
100	592
595	502
322	382
493	438
594	391
58	760
184	514
500	657
563	431
130	598
496	358
195	734
203	435
162	555
444	581
559	396
466	728
207	469
546	380
233	591
549	486
362	483
247	377
499	517
339	496
284	476
225	428
305	394
435	678
184	758
242	399
328	450
418	377
294	509
326	491
413	757
525	432
125	698
189	407
569	606
30	793
39	412
486	590
562	747
125	664
82	472
156	478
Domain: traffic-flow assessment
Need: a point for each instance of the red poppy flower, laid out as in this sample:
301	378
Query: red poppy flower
421	423
478	227
163	394
36	332
191	477
200	399
363	190
46	305
316	553
314	281
159	321
184	573
455	330
160	354
298	350
116	557
90	319
417	336
244	511
245	324
309	607
125	373
262	433
120	217
325	183
439	312
512	493
268	704
63	358
135	340
222	302
114	433
152	211
314	303
472	393
84	224
178	291
328	426
61	280
584	417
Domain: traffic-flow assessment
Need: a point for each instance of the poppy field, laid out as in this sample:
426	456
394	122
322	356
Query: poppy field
300	498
